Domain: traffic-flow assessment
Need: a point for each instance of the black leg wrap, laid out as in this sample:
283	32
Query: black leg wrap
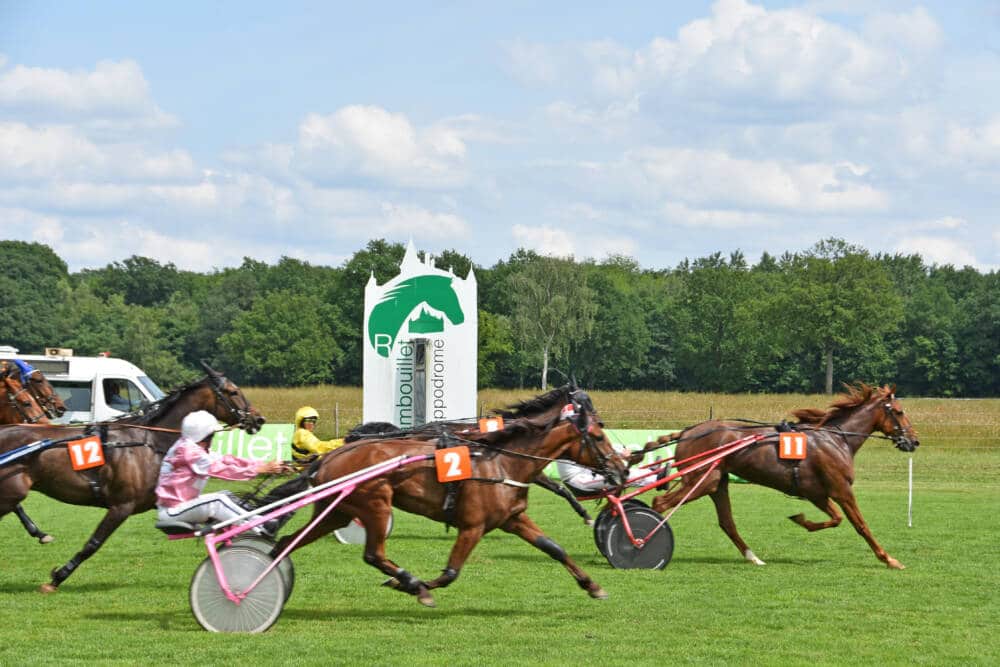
555	551
28	524
407	582
448	575
60	575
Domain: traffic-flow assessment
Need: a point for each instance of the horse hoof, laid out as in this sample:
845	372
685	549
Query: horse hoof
598	593
895	564
45	539
589	522
426	599
391	582
47	588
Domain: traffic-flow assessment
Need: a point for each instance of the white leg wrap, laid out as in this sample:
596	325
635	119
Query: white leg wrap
752	557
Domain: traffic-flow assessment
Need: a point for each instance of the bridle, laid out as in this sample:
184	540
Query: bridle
898	434
13	390
244	415
47	402
580	412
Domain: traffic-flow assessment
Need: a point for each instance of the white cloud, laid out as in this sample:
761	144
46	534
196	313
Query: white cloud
113	92
417	222
715	177
939	250
746	52
544	240
381	146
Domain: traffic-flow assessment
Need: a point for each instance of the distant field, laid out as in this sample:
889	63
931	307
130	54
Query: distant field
822	599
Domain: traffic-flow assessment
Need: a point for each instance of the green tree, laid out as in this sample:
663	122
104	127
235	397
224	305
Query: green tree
615	351
34	287
555	308
839	299
140	280
285	339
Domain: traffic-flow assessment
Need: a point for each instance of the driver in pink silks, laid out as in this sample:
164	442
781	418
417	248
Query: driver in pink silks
583	481
186	468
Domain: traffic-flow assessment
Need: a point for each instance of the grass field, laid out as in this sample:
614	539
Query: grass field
823	598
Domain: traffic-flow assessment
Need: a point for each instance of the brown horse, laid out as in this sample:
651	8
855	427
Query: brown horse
503	463
133	448
824	477
21	405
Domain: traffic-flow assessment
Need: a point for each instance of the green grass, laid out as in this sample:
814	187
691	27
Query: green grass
823	598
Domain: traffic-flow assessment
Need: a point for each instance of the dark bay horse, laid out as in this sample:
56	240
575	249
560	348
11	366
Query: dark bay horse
824	477
503	464
21	405
133	447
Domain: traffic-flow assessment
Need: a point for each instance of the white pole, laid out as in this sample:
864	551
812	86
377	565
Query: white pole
909	505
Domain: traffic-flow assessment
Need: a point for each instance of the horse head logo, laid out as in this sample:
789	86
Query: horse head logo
434	293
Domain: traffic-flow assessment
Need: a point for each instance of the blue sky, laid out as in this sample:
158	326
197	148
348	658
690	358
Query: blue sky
200	133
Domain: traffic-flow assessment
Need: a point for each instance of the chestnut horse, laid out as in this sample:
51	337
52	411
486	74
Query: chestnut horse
25	389
503	465
824	477
133	448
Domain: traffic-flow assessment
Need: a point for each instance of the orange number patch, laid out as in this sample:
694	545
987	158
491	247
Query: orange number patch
792	445
453	464
490	424
85	453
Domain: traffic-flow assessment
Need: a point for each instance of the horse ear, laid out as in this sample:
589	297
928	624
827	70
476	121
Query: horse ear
209	369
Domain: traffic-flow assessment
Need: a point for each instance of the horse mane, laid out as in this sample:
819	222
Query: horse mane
152	412
854	396
537	406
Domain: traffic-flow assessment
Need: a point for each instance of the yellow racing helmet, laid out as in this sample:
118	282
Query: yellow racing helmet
303	413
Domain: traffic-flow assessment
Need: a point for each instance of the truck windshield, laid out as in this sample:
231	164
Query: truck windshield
151	387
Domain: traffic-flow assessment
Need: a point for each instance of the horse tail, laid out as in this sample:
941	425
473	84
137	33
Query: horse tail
283	490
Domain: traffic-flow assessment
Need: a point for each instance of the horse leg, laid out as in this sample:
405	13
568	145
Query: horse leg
14	488
525	528
467	540
563	492
850	506
724	511
374	516
31	527
109	524
827	506
707	483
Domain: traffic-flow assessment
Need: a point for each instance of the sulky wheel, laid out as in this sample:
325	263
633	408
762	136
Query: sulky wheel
256	612
264	545
653	555
354	532
605	518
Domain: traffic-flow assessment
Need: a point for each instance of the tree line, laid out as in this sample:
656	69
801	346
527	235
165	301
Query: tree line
801	322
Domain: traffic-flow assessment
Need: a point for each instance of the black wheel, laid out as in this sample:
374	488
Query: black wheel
654	554
264	545
256	612
354	532
605	518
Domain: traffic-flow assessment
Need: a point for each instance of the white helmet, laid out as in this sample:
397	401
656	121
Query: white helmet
198	425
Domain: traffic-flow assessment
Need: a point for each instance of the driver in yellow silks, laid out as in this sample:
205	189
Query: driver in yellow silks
305	445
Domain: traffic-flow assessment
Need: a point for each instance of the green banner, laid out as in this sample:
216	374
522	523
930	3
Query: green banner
273	442
632	439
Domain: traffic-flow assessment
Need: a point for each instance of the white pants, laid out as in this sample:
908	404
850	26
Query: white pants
206	508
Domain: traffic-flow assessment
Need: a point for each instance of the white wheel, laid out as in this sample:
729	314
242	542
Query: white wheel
264	545
354	532
256	612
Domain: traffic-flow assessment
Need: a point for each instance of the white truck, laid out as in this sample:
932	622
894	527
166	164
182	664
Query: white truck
93	388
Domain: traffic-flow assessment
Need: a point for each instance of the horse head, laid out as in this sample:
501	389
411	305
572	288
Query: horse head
21	405
434	294
592	449
231	406
893	422
36	383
